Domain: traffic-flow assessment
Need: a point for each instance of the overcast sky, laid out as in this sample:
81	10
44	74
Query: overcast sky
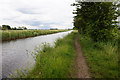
40	14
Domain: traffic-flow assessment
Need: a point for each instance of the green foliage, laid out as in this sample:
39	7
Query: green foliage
22	28
97	20
14	28
102	57
74	28
53	62
0	28
17	34
5	35
6	27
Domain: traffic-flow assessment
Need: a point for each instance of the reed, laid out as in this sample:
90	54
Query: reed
18	34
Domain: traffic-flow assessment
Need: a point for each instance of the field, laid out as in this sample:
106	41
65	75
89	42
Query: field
102	57
18	34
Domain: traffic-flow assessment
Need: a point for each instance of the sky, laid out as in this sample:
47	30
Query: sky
37	14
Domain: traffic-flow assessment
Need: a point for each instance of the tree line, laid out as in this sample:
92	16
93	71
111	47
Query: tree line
7	27
97	20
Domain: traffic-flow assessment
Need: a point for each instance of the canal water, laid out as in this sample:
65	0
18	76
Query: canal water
16	54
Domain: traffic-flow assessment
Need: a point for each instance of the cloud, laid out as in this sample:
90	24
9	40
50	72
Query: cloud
27	11
34	13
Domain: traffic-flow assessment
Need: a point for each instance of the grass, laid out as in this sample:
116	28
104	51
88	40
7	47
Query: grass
102	57
54	62
18	34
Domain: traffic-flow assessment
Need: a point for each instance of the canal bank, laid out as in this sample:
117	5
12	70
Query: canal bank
17	53
54	62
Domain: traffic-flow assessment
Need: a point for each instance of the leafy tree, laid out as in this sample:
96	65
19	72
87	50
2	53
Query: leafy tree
4	27
14	28
74	28
0	27
22	28
97	20
25	28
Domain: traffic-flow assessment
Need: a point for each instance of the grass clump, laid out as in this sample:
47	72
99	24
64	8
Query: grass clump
102	57
54	62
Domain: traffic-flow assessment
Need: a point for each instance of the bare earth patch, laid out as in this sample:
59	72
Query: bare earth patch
82	70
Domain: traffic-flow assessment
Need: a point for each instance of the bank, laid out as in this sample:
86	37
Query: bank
53	62
8	35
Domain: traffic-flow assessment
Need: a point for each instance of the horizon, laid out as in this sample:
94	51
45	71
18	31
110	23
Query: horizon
38	15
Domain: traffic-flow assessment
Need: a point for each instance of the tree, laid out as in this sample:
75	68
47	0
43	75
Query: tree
97	20
74	28
22	28
14	28
4	27
25	28
0	27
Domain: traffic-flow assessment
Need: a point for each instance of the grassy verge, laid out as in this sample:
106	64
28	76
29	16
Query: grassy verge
102	57
54	62
18	34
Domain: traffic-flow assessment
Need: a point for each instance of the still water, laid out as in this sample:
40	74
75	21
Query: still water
16	54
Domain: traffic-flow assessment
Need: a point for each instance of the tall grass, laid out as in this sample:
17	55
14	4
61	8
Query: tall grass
102	57
17	34
54	62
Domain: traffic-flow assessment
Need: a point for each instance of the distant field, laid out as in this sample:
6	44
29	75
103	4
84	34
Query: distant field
18	34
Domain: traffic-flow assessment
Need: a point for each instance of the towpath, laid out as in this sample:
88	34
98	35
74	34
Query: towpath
82	69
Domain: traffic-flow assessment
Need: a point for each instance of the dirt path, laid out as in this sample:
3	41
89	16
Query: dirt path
80	62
